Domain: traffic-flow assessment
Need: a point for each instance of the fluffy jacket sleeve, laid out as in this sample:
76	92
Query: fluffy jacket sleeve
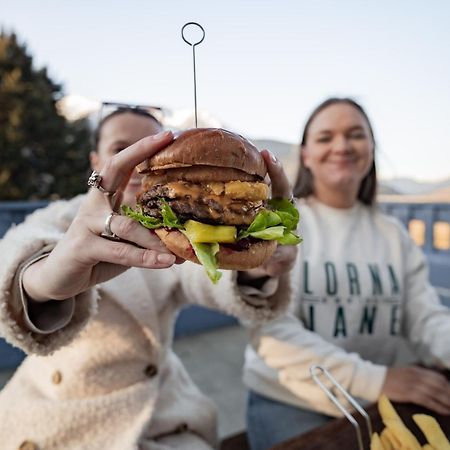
427	321
247	304
40	230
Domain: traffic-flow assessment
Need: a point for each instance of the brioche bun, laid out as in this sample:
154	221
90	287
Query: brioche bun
208	147
227	258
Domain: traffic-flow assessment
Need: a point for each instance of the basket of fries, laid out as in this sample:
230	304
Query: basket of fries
381	426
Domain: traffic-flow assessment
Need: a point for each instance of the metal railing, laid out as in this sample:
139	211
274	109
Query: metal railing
194	319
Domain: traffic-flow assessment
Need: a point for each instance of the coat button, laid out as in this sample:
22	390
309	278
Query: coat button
151	370
28	445
57	377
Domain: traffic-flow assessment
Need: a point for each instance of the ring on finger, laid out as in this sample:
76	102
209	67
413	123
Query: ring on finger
94	181
107	232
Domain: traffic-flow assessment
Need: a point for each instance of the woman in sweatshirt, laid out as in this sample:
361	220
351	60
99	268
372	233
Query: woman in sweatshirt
97	321
360	289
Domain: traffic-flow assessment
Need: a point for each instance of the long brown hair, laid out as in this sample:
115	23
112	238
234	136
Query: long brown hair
304	183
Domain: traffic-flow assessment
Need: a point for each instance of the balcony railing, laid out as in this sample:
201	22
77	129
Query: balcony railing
428	224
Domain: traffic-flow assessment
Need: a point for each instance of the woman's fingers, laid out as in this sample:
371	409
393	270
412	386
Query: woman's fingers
152	253
281	187
118	168
418	385
432	400
436	388
281	261
129	230
129	255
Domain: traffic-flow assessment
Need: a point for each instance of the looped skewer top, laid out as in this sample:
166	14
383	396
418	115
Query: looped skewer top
314	373
193	44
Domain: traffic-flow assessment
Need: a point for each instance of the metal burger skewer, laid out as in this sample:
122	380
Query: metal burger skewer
316	371
193	44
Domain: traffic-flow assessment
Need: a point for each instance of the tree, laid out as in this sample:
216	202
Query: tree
42	155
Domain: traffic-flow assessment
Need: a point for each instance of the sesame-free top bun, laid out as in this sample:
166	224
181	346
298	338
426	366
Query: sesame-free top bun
208	147
254	256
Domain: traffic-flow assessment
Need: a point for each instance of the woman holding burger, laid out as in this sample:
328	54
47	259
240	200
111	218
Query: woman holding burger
80	294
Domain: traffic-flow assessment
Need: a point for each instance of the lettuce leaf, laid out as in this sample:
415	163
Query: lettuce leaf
287	212
265	219
169	218
206	254
275	224
146	221
269	234
289	238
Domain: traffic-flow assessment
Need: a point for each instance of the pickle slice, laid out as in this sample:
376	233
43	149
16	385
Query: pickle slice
201	232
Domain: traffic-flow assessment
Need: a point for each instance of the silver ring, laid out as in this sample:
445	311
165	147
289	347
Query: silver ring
108	233
94	181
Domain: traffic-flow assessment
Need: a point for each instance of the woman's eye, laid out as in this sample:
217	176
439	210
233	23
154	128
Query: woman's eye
118	149
358	135
324	139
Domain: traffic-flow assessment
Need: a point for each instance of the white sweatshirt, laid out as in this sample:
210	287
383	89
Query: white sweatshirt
360	286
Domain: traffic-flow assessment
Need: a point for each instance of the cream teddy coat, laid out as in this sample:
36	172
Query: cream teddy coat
100	372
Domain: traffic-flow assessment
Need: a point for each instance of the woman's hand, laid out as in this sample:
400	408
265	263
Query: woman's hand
418	385
284	257
82	258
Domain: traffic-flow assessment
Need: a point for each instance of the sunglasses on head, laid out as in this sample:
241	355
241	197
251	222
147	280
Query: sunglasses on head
108	108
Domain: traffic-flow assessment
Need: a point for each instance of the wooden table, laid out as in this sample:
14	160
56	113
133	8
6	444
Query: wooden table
339	434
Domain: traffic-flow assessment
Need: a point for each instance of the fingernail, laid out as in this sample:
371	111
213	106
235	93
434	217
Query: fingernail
273	157
162	134
165	258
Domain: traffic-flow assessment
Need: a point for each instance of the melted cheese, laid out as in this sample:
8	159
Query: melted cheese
235	190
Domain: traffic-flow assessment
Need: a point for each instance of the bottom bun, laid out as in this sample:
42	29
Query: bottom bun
256	255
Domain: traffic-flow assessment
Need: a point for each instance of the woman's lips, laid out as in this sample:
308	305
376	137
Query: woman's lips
343	161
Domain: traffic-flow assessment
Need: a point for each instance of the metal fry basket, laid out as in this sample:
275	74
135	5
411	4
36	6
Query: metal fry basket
316	371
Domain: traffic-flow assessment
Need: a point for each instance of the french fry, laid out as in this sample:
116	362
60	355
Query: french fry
387	411
386	440
407	439
375	442
428	447
432	431
395	443
395	424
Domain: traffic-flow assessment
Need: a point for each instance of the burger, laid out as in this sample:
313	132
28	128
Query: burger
206	197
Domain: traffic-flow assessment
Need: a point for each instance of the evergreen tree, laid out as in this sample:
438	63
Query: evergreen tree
42	155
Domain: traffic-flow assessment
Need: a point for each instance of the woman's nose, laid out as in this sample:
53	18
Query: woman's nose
341	144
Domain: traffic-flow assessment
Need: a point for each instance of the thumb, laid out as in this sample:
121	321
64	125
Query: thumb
281	187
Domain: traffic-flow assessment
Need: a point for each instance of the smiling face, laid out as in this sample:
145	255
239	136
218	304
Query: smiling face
338	151
120	132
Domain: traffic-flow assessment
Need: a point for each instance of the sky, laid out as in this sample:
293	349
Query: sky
263	66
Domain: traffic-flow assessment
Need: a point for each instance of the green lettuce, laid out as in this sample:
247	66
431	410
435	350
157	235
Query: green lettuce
138	215
168	220
275	224
287	212
206	254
